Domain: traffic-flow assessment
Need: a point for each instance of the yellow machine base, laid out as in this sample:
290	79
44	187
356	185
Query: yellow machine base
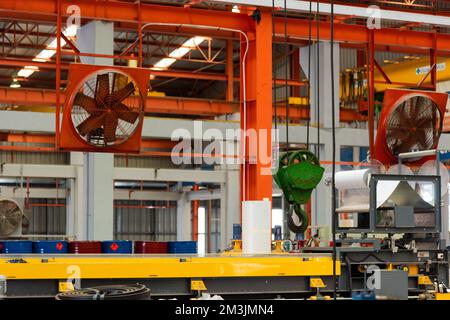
146	266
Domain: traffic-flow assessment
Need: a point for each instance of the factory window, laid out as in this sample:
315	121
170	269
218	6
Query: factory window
346	156
201	230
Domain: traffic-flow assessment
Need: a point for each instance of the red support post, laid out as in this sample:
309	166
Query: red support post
255	170
58	71
195	205
371	89
140	32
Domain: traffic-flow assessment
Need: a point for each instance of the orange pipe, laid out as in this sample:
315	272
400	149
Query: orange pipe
46	205
27	138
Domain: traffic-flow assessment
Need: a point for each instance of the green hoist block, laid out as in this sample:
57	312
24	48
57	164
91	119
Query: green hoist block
299	172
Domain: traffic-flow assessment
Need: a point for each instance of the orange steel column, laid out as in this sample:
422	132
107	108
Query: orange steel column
195	205
230	71
58	71
258	180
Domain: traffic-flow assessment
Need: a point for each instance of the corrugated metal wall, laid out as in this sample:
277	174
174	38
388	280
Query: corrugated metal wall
158	224
154	224
215	224
143	162
347	58
46	219
34	157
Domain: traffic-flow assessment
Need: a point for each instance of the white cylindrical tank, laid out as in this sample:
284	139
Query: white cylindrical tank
256	227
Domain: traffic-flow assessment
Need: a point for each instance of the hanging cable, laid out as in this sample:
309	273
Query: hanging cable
308	121
333	138
286	74
318	79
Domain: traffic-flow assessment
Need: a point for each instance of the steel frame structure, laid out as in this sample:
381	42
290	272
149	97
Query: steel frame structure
132	16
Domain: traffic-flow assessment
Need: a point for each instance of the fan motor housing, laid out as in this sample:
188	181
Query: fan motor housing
70	138
394	99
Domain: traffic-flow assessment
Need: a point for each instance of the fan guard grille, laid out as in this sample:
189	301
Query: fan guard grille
106	109
414	125
10	217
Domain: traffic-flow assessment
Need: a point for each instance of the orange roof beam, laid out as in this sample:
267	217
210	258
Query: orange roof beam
166	105
49	139
125	13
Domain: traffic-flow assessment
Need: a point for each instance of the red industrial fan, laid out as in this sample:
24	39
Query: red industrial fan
104	108
410	120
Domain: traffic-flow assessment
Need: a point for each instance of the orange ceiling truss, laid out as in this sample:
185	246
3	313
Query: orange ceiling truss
170	73
125	14
167	105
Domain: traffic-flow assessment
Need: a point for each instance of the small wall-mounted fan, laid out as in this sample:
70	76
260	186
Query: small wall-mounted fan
104	108
11	217
410	120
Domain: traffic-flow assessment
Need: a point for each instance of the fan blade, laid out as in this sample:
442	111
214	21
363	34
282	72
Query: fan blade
86	102
102	90
110	126
11	209
123	93
420	123
9	226
91	123
403	118
398	133
422	139
125	113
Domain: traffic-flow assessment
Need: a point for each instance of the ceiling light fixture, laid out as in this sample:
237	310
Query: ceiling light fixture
15	83
178	53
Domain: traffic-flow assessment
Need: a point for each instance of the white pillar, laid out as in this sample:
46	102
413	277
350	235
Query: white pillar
229	205
223	217
98	37
99	188
184	223
76	217
321	197
324	75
